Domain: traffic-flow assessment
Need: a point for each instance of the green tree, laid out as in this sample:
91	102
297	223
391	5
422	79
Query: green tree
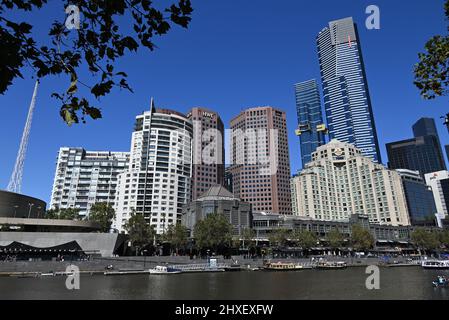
432	70
51	214
425	240
279	237
140	232
103	214
305	239
361	238
248	236
93	48
63	214
213	232
177	236
444	238
335	238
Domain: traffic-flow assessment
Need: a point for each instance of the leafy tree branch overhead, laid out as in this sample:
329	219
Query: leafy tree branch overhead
98	43
432	70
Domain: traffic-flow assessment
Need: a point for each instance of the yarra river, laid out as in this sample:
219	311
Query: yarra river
395	283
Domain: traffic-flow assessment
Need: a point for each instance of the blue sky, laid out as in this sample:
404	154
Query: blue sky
235	55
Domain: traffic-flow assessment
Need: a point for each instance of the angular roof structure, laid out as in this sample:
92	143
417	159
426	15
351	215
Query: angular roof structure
217	192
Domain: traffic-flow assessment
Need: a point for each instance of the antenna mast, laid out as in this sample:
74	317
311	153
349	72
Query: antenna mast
15	183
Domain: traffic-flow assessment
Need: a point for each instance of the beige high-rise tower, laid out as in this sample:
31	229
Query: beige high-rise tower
260	160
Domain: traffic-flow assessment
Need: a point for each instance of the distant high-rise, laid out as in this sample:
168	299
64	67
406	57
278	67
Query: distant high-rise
83	178
310	119
439	182
422	153
425	127
208	150
345	88
260	160
419	196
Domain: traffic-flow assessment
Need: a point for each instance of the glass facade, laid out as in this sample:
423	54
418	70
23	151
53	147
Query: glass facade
420	201
420	154
310	119
346	97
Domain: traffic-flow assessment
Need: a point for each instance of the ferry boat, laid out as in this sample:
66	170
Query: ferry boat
163	270
331	265
280	266
435	264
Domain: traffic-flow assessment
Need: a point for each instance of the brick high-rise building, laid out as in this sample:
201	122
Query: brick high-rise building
260	160
208	150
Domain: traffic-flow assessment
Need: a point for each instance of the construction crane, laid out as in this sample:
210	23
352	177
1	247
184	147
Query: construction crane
15	183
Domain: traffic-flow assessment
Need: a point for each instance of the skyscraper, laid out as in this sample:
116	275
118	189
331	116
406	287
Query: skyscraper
422	153
260	160
158	181
208	150
425	127
310	120
83	178
346	96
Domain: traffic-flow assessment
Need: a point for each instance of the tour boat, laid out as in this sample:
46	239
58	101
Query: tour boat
280	266
435	264
331	265
163	270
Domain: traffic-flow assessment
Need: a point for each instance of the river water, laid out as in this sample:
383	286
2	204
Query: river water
395	283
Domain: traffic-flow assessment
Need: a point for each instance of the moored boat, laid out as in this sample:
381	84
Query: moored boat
331	265
281	266
163	270
435	264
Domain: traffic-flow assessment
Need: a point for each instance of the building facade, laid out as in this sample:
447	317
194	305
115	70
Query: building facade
417	154
83	178
311	127
439	182
340	182
158	180
208	150
345	88
218	200
260	159
419	196
385	235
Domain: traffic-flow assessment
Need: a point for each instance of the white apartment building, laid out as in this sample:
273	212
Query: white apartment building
83	178
340	181
158	180
439	182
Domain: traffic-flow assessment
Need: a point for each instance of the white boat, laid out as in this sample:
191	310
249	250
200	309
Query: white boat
435	264
163	270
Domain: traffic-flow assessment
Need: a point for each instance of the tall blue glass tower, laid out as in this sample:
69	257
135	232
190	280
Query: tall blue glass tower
310	119
345	89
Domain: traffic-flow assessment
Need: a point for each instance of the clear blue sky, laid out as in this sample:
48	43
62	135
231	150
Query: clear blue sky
236	54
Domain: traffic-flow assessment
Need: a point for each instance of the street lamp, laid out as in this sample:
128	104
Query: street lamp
31	206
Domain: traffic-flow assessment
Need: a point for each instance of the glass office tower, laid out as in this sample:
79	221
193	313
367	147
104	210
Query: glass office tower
346	96
310	120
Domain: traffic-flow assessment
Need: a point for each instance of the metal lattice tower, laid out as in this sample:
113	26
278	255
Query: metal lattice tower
15	183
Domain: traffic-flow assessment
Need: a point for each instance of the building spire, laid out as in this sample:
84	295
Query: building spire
15	183
152	107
